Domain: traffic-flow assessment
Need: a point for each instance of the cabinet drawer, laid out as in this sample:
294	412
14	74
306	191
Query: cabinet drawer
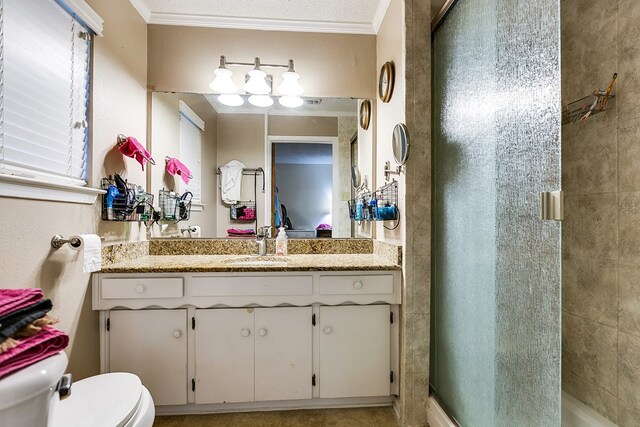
212	286
168	287
356	284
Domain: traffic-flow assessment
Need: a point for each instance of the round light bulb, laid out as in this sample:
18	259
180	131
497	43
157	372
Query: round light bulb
222	83
290	85
257	84
290	101
261	100
230	100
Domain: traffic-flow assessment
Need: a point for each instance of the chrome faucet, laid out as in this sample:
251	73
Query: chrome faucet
261	239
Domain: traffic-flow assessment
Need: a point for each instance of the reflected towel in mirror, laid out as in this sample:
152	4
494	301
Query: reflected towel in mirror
231	176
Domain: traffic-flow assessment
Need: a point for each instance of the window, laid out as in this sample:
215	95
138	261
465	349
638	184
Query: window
44	129
191	128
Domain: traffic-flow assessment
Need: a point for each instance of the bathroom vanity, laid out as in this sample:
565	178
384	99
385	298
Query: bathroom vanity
230	333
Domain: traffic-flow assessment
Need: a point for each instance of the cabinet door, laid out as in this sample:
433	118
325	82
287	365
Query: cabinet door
224	355
355	351
283	353
153	345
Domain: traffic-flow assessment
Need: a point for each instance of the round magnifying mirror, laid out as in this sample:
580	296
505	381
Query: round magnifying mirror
355	177
400	143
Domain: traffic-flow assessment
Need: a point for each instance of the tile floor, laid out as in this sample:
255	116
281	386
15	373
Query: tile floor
358	417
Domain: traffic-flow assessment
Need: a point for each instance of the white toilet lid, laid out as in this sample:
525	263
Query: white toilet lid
108	400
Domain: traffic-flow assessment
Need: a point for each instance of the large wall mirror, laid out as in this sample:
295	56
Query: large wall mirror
292	165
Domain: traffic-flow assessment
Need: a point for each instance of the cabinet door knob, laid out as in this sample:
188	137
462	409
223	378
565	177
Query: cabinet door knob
357	284
139	289
328	330
245	332
177	333
262	332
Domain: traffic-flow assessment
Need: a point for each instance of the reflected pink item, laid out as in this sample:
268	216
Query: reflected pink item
33	349
132	148
175	166
15	299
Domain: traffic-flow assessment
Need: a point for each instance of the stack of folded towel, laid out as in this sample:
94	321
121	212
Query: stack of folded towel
26	335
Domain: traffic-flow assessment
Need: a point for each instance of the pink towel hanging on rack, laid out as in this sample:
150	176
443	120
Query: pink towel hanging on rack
132	148
175	166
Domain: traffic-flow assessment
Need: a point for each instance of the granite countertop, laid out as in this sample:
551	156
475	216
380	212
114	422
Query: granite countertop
245	263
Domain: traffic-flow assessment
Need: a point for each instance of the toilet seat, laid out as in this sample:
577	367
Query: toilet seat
108	400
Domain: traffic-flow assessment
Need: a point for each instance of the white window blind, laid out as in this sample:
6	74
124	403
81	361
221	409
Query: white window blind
44	95
191	127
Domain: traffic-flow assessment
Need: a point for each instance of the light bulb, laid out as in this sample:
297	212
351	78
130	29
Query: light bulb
291	101
222	82
231	100
261	100
257	84
290	85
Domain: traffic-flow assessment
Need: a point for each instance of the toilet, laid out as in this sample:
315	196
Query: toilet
29	398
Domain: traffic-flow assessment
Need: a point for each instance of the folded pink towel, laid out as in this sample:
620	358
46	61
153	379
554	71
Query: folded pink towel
175	166
240	232
15	299
33	349
132	148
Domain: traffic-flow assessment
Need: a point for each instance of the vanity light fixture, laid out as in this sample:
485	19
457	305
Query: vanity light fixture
258	85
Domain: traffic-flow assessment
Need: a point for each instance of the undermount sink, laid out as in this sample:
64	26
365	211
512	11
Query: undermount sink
257	260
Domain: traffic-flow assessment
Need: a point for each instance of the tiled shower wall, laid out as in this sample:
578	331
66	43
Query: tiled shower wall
601	232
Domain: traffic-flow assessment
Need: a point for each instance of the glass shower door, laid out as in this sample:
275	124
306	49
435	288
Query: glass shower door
496	325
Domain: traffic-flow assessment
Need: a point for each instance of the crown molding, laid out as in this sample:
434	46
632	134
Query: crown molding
143	9
259	23
381	11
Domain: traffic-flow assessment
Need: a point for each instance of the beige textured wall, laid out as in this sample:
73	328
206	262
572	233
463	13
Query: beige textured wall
601	236
389	47
303	126
241	137
118	105
182	59
165	141
119	102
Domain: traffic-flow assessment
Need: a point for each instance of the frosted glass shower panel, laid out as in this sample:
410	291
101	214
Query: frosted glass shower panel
496	284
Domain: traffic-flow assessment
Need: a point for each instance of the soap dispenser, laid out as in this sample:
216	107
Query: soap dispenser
281	242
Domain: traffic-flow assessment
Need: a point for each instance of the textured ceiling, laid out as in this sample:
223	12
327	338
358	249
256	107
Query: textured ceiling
352	11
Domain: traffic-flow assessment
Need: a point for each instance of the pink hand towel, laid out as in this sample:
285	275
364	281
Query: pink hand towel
33	349
132	148
175	166
15	299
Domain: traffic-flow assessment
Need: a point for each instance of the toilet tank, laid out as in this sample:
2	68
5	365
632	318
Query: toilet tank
25	395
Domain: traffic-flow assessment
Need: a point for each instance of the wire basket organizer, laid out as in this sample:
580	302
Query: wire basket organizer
243	211
132	204
174	206
382	205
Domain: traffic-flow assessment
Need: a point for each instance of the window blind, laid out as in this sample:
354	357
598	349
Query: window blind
190	152
44	95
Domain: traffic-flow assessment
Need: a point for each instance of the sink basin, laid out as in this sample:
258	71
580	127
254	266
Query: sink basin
257	260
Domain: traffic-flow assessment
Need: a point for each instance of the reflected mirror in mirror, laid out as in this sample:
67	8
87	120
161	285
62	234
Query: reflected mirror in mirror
400	143
290	145
355	177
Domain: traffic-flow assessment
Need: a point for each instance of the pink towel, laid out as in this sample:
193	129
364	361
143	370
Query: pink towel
175	166
15	299
132	148
33	349
240	232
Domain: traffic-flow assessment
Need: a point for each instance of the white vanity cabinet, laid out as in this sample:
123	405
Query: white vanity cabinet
153	345
246	355
224	341
355	344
